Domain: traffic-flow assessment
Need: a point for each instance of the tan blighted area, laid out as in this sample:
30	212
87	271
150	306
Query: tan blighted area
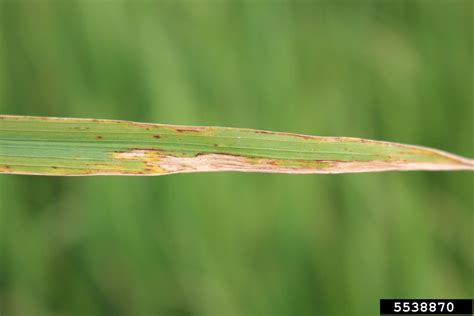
157	162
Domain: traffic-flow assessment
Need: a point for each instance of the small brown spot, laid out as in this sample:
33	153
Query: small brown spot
190	129
145	126
367	141
157	136
216	145
54	167
264	132
286	134
99	137
5	168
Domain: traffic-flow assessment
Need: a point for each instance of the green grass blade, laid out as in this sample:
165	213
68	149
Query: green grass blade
73	147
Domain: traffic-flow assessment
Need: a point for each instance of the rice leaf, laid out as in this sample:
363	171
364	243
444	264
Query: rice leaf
80	147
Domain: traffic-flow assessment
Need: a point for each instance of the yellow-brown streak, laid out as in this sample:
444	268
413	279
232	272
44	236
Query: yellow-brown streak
160	163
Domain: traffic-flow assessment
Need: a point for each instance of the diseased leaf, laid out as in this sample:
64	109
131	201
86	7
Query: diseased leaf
74	147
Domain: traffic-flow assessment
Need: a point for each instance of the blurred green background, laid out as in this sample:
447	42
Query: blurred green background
232	243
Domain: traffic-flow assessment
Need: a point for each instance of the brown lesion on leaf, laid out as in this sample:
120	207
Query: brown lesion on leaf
157	136
365	141
145	126
158	162
99	137
191	129
148	157
305	137
6	169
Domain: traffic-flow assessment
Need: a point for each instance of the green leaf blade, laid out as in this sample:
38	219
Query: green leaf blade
67	147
